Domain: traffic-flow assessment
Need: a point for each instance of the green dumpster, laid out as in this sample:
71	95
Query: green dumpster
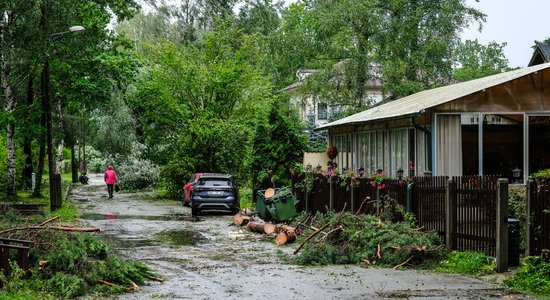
260	204
281	206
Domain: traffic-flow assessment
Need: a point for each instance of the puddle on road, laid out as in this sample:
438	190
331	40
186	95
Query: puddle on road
182	237
171	217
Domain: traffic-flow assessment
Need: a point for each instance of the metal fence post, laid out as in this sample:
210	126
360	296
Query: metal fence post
410	197
450	215
331	194
502	225
352	204
529	205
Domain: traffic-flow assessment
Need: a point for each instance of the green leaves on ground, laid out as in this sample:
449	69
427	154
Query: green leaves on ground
360	238
533	276
467	263
69	266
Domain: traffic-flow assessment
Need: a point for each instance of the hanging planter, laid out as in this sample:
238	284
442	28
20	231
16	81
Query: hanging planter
332	152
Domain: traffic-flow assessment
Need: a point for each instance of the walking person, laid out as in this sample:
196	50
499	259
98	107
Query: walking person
110	179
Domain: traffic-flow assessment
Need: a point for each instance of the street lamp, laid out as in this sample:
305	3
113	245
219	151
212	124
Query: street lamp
399	172
55	179
516	173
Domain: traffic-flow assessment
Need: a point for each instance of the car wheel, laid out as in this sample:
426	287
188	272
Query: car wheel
194	211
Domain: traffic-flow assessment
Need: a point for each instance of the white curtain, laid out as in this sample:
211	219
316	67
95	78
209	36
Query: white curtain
449	145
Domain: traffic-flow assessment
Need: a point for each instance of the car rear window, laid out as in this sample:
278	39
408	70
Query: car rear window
213	182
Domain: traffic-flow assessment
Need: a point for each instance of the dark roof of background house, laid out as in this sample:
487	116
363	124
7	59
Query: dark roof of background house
541	53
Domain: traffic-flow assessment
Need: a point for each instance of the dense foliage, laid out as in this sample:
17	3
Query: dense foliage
197	85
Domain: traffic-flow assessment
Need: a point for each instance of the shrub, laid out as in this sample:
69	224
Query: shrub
542	175
517	209
136	172
95	161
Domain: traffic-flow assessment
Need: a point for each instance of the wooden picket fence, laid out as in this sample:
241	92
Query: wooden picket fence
336	194
538	214
474	217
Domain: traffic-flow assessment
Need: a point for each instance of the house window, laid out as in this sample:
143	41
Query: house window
399	149
343	143
321	111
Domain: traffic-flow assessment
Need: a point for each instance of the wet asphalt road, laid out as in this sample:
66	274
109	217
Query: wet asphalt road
207	258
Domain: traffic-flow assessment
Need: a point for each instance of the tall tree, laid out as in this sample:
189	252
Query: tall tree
15	32
411	41
475	60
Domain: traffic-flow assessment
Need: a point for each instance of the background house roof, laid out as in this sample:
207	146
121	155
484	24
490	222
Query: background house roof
541	53
416	103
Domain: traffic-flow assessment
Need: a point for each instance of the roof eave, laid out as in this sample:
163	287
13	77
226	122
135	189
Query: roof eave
393	118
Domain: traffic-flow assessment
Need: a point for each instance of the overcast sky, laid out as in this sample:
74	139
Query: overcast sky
517	22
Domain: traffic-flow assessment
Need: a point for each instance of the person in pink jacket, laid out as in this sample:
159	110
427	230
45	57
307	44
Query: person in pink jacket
110	180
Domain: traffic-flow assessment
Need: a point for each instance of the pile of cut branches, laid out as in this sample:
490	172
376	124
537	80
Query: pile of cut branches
68	262
346	238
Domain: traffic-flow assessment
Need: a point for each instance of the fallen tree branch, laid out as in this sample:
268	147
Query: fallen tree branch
106	282
310	237
49	220
303	223
338	228
53	228
361	206
403	263
154	278
134	286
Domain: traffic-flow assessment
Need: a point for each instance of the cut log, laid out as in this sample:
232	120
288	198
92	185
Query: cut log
261	227
285	238
241	220
286	228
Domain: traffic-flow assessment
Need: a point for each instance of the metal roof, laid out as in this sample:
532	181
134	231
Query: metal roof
416	103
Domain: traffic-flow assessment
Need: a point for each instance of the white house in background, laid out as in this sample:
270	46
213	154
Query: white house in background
322	112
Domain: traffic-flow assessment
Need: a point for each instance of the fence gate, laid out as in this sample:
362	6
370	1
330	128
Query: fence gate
429	203
476	208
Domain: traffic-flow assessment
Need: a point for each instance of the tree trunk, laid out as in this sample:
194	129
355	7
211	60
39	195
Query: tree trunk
60	140
41	156
27	142
10	130
49	130
74	169
261	227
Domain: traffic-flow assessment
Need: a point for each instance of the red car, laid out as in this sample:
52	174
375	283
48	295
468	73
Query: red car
188	187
